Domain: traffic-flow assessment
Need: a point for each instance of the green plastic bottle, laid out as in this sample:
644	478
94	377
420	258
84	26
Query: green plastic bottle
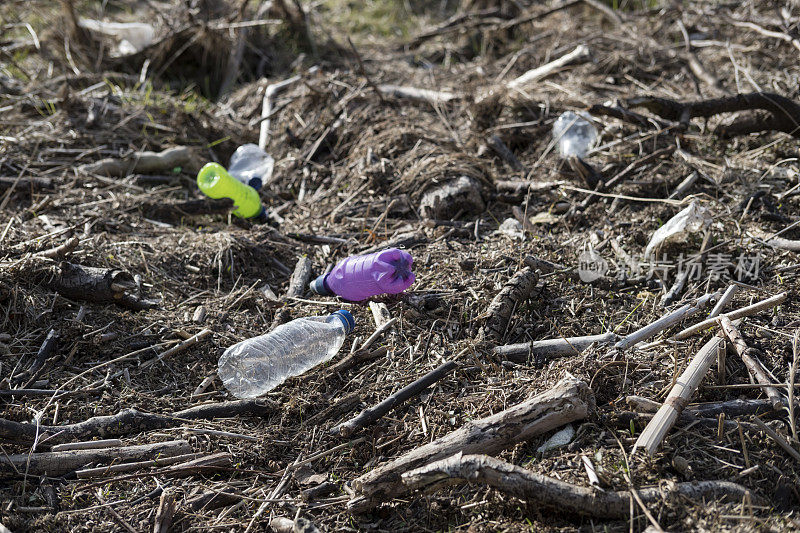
215	182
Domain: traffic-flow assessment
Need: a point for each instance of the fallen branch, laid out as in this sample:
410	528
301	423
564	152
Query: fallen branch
419	95
191	341
493	98
523	186
778	242
731	408
778	439
750	358
59	463
579	54
130	421
784	112
167	504
87	445
552	347
370	415
733	315
569	400
47	347
665	322
105	471
60	250
300	277
684	186
559	495
145	162
26	183
513	294
626	115
98	285
678	398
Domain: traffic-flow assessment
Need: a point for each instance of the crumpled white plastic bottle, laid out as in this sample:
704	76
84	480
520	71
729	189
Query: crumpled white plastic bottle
251	165
692	219
133	36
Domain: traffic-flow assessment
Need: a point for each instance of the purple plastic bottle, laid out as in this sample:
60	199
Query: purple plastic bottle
360	276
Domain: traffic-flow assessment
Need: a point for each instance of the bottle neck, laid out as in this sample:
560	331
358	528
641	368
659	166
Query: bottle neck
337	321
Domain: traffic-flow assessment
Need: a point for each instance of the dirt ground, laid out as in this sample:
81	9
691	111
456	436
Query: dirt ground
355	164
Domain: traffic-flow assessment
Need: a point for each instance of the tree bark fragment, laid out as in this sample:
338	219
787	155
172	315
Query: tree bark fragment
569	400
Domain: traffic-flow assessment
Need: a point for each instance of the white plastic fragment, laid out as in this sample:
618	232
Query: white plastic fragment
559	439
251	165
511	227
691	220
132	36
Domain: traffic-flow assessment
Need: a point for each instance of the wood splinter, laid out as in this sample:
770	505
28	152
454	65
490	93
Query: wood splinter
371	414
555	494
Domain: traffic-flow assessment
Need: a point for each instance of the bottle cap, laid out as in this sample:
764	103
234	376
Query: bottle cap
255	183
319	286
347	319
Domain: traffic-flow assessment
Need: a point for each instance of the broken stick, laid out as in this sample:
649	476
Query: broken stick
370	415
146	162
580	54
678	398
552	347
665	322
750	358
419	95
555	494
569	400
129	421
300	277
60	463
733	315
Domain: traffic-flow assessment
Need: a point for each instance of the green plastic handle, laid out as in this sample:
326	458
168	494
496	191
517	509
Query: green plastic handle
215	182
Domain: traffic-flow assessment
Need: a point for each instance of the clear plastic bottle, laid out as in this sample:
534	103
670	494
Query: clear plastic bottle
574	133
256	366
251	165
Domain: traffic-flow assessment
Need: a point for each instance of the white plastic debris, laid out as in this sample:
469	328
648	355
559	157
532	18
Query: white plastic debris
574	133
559	439
132	36
691	220
511	227
251	165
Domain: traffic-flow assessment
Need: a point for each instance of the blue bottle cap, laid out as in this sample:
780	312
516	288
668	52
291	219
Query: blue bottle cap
319	286
347	319
255	183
